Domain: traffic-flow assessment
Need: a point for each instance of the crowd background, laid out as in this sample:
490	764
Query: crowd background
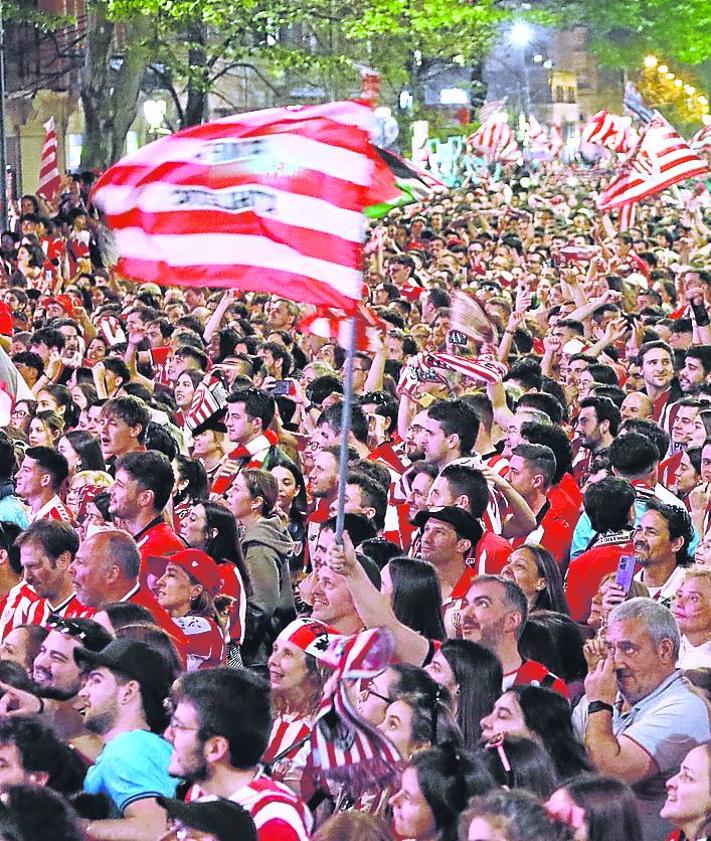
513	640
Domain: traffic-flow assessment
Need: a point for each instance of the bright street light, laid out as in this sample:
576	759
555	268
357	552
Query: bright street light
521	33
650	62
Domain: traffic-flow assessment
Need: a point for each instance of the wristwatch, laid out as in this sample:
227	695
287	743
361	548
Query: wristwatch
600	706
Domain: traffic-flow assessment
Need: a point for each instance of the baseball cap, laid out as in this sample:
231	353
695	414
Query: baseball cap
133	658
463	522
310	635
224	819
196	563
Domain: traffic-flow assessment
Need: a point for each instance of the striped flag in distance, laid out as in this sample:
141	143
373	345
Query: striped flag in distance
49	177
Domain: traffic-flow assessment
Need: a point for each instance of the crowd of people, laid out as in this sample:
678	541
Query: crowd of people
512	638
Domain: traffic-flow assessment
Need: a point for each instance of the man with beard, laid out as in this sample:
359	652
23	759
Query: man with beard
657	361
661	547
493	613
596	427
694	375
219	751
124	694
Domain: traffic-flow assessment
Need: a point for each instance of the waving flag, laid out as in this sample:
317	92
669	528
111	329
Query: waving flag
330	323
413	182
601	129
49	178
661	159
636	106
557	142
489	109
496	140
702	139
270	201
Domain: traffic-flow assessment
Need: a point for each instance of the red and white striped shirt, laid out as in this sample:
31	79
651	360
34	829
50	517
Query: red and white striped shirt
71	608
278	814
53	509
15	606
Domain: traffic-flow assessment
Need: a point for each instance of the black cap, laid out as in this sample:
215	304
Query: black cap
466	525
215	423
224	819
133	658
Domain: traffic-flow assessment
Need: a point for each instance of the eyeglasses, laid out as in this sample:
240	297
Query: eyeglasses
370	691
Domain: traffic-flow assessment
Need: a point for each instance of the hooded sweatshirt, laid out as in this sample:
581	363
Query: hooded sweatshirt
267	546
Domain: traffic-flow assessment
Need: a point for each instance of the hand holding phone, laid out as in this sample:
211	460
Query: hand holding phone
625	572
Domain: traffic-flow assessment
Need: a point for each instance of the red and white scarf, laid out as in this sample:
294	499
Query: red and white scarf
257	450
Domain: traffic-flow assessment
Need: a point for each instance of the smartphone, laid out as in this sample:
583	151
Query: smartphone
282	388
625	572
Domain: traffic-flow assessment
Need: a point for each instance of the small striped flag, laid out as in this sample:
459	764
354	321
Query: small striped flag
49	177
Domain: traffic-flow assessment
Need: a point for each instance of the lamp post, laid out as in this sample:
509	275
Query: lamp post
520	36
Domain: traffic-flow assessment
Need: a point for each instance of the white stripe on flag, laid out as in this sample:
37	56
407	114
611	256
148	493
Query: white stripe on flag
290	208
235	250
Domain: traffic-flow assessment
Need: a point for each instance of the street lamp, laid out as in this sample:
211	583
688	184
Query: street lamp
520	35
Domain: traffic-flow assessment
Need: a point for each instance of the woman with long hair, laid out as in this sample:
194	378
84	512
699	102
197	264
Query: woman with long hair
82	451
520	762
536	572
473	676
554	639
601	808
190	487
414	721
543	716
45	430
688	803
189	582
296	685
292	506
183	391
435	788
58	398
210	527
414	589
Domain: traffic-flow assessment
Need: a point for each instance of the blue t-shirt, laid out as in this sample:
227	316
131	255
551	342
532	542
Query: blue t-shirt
132	766
12	510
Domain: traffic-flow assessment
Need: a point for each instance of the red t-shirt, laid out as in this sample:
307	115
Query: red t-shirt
206	642
587	570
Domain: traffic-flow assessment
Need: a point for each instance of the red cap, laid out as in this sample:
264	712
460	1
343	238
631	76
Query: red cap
198	565
64	301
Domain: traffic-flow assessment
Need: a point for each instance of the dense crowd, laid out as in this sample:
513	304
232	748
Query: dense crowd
511	642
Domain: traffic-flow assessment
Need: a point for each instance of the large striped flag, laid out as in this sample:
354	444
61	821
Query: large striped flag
661	159
702	139
270	201
496	140
49	177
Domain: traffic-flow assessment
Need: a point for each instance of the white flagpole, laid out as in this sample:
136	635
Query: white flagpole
345	427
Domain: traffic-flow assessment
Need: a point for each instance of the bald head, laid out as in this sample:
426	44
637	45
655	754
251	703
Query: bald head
636	405
106	567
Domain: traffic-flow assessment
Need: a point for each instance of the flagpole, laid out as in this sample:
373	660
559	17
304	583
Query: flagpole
345	428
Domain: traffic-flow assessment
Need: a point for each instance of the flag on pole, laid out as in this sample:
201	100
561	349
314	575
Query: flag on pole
270	201
49	177
661	159
414	183
600	128
634	104
702	139
331	323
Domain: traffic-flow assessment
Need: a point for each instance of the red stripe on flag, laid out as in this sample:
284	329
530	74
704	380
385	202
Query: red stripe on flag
49	177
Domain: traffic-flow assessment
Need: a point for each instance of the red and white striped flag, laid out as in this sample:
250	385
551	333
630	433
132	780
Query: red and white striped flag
556	141
537	136
489	109
702	139
210	397
330	323
661	159
627	215
496	140
270	201
49	177
600	129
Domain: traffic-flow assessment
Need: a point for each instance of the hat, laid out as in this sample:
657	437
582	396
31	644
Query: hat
215	423
224	819
310	635
63	301
196	563
133	658
463	522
